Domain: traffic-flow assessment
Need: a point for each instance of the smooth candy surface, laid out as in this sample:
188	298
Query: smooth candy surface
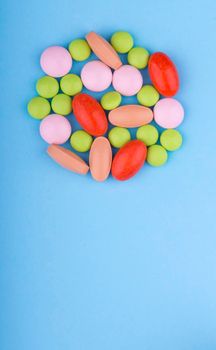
148	96
157	155
61	104
118	136
130	116
138	57
79	49
55	129
168	113
100	158
127	80
122	41
111	100
81	141
71	84
171	139
96	76
56	61
38	107
148	134
47	87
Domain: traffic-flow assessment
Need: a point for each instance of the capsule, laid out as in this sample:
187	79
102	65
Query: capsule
130	116
100	158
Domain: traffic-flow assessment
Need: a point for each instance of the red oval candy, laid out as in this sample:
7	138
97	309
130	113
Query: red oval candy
163	74
128	160
90	114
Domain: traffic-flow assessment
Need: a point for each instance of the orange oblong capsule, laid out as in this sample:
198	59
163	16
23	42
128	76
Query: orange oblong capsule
100	159
130	116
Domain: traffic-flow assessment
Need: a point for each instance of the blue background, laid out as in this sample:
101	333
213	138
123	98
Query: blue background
112	266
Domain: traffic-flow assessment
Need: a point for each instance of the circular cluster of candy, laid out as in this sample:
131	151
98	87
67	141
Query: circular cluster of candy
64	96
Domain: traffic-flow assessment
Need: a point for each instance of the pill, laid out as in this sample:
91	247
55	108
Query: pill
56	61
127	80
148	134
90	115
168	113
122	41
157	155
138	57
81	141
71	84
100	159
55	129
68	159
61	104
148	96
103	50
163	74
171	139
96	76
47	87
38	107
79	49
130	116
111	100
128	160
118	136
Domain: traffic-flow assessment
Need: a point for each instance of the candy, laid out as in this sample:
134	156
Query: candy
127	80
118	137
148	96
100	159
38	107
148	134
55	129
103	50
47	87
90	114
96	76
79	49
171	139
81	141
61	104
111	100
67	159
56	61
71	84
122	41
163	74
128	160
157	155
168	113
130	116
138	57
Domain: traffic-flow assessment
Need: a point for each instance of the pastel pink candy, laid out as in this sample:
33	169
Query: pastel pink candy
55	129
127	80
56	61
96	76
168	113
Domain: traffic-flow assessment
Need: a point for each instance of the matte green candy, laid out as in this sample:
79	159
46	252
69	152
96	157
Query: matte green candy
138	57
171	139
71	84
118	137
61	104
148	96
111	100
157	155
38	107
81	141
122	41
79	49
148	134
47	87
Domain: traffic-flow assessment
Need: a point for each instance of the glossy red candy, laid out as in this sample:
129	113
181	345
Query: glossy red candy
90	114
128	160
163	74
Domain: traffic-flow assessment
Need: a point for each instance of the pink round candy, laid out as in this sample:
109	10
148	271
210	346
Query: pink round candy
55	129
127	80
96	76
56	61
168	113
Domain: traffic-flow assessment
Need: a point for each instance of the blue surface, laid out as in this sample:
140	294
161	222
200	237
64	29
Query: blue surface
111	266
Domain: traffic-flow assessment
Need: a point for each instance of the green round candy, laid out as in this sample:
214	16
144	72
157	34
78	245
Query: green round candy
157	155
171	139
148	134
79	49
122	42
138	57
71	84
148	96
81	141
47	87
111	100
61	104
38	107
118	137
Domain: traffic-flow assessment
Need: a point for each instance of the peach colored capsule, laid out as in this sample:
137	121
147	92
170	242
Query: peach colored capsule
67	159
103	50
100	158
130	116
